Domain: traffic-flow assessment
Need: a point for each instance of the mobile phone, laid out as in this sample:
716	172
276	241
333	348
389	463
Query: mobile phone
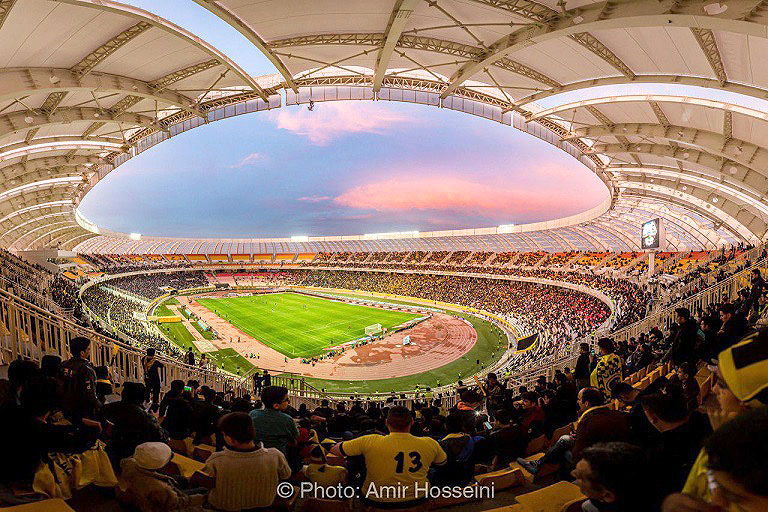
487	425
188	388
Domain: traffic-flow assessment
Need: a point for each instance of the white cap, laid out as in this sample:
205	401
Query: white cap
152	455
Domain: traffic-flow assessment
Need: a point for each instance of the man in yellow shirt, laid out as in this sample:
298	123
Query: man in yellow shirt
608	369
396	464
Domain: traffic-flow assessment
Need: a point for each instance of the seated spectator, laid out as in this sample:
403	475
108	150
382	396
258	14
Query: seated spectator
204	416
412	457
176	390
320	473
245	474
104	385
734	460
682	434
132	425
272	426
597	424
141	484
686	373
459	447
533	419
614	477
178	415
29	438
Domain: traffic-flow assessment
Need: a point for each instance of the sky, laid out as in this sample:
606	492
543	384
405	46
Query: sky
344	168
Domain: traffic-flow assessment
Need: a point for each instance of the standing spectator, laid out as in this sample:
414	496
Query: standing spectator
581	372
245	474
684	340
494	393
190	357
79	383
398	460
272	426
267	378
152	367
257	383
608	369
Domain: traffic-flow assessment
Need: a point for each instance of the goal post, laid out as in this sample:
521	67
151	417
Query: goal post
373	330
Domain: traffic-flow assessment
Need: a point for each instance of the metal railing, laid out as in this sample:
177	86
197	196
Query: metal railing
33	332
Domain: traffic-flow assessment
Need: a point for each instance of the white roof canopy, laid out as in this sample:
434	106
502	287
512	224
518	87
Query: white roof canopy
85	85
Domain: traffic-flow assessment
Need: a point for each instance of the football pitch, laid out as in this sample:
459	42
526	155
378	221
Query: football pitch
298	325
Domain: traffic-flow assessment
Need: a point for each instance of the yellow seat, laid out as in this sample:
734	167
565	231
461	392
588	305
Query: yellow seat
56	505
187	466
573	505
551	498
182	446
502	479
537	445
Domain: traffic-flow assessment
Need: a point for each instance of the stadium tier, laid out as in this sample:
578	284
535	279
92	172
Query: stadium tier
613	360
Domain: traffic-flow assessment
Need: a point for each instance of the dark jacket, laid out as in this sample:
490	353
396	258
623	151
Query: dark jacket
79	389
684	342
582	367
132	426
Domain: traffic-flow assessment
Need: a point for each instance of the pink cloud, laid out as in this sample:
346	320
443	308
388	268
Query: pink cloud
440	192
314	199
329	121
251	159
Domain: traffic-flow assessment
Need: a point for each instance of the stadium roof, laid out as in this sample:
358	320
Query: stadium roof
86	84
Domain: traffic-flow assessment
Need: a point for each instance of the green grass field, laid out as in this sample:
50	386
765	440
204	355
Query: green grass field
301	326
490	345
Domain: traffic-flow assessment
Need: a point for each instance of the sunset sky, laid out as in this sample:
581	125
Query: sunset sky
344	168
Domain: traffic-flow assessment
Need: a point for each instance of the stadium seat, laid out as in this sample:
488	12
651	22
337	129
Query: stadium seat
186	466
537	445
551	498
502	479
55	505
182	446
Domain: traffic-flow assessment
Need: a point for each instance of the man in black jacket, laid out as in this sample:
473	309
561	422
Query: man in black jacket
684	340
79	383
582	370
132	425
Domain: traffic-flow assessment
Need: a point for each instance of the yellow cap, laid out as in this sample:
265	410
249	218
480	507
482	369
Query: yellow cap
745	366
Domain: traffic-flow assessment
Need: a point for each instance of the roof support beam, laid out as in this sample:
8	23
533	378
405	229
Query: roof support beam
414	42
754	92
241	26
66	243
397	20
16	82
594	45
31	245
606	15
5	10
706	39
533	11
41	165
23	121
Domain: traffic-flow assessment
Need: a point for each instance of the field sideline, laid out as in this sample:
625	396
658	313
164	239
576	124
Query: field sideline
298	325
